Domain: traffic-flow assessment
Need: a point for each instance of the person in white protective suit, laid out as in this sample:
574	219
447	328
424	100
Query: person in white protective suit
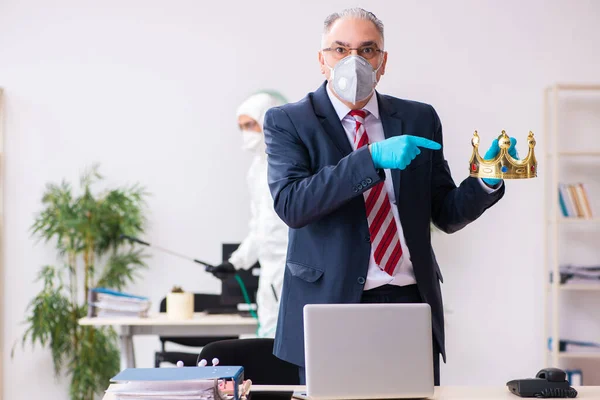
267	239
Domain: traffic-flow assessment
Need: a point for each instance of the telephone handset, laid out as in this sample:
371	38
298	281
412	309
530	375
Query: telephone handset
548	383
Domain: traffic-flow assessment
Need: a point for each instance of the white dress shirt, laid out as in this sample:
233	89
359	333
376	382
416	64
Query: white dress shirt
403	274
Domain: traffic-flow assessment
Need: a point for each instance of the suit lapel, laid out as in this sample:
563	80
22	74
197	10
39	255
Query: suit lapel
392	126
330	120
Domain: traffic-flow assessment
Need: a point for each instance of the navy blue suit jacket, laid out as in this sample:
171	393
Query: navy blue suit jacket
317	183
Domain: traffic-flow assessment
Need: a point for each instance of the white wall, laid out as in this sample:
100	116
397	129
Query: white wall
1	230
149	89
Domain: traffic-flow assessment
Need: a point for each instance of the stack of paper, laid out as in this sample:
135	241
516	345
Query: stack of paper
575	346
109	303
575	274
202	390
182	383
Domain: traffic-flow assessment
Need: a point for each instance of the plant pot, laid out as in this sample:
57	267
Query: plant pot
180	305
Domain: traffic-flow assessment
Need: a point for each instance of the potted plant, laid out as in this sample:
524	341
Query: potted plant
86	229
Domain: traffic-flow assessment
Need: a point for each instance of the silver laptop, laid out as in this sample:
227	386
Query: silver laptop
368	351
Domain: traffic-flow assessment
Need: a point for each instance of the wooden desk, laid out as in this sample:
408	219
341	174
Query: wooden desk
200	325
448	392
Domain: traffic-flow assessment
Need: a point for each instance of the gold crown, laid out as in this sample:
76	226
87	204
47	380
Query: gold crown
503	166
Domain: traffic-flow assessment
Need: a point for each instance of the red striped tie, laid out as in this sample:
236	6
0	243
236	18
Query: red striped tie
382	225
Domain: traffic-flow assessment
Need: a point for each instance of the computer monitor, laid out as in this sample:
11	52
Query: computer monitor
231	292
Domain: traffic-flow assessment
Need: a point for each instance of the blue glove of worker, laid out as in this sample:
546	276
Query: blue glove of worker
397	152
493	152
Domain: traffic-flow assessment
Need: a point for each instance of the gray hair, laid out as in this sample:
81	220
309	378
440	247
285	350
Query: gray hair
357	13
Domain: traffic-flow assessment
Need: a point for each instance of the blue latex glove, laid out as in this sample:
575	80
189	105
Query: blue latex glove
493	152
397	152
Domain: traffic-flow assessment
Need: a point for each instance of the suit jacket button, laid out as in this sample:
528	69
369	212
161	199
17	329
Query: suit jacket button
368	238
369	181
364	183
361	280
355	188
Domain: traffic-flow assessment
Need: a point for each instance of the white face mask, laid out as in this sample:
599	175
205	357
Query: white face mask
353	78
253	142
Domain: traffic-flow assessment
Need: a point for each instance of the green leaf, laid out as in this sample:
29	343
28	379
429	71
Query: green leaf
50	321
96	362
121	269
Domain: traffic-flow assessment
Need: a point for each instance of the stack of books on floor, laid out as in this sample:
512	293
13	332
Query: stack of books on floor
181	383
110	303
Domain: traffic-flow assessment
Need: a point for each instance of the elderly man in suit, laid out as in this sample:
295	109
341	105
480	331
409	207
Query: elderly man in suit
358	176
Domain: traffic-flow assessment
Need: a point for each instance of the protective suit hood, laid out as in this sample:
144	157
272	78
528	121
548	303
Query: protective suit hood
257	105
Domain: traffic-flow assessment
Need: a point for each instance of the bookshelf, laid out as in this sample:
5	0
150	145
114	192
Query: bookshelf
590	287
565	356
563	150
578	288
576	153
573	220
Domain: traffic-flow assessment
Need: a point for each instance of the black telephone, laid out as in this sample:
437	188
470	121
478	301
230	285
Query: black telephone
549	382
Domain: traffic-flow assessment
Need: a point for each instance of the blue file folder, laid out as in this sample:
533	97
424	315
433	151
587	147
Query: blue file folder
234	373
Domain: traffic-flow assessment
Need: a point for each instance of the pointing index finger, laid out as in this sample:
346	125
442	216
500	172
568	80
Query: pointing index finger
426	143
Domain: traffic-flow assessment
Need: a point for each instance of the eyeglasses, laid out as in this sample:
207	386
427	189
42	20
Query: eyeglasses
367	52
248	126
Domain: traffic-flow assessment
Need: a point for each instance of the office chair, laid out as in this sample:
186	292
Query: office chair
201	303
256	356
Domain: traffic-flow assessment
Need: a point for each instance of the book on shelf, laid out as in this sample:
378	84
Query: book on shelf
104	302
574	201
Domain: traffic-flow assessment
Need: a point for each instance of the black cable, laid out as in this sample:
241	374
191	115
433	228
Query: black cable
557	393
